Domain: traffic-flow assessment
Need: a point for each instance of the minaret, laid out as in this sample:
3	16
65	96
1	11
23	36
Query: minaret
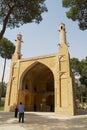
17	54
64	80
12	89
62	33
63	45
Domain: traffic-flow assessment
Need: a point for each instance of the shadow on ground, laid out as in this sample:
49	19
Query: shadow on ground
45	121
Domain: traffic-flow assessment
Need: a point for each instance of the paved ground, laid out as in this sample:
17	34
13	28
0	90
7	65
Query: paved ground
42	121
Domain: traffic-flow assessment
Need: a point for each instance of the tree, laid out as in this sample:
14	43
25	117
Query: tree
80	68
14	13
77	11
3	89
75	65
83	71
7	48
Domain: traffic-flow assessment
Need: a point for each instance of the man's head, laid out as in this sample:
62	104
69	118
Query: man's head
20	102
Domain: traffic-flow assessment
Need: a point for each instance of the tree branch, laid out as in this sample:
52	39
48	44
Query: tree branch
5	21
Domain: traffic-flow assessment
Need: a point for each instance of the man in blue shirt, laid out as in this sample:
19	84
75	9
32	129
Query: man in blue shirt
21	112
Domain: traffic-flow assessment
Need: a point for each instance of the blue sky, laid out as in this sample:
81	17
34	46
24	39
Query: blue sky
42	39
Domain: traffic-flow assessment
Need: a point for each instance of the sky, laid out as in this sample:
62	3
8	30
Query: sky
42	39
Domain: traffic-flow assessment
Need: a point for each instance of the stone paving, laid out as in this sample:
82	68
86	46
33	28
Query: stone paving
42	121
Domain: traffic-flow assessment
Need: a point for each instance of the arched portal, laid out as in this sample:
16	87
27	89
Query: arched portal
38	88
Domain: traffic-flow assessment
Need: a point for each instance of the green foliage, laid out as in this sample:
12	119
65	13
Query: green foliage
77	11
7	48
81	92
80	67
75	65
1	108
14	13
3	87
83	71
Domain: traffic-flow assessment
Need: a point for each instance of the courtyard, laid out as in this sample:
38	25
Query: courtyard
42	121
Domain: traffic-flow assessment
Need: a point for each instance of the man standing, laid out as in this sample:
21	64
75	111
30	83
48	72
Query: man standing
21	112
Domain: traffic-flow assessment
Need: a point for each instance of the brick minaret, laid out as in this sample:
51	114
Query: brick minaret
64	98
17	54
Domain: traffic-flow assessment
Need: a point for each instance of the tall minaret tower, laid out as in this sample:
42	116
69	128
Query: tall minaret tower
64	97
63	45
62	34
12	89
17	54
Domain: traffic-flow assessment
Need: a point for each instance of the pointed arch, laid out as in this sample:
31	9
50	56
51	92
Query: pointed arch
37	85
35	66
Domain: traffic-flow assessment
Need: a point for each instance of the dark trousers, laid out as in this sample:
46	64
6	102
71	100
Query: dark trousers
21	117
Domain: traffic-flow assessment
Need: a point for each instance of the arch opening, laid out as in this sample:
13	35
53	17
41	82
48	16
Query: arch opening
38	89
